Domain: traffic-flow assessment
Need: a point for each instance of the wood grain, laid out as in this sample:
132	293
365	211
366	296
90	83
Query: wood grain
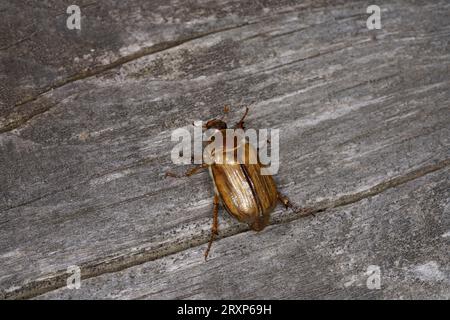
326	257
82	166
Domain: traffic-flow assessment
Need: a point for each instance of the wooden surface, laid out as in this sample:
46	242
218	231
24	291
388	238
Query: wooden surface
322	257
85	124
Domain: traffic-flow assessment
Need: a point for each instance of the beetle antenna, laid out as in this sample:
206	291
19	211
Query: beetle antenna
240	124
245	114
226	110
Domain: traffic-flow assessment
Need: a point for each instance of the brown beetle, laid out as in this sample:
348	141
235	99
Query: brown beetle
245	194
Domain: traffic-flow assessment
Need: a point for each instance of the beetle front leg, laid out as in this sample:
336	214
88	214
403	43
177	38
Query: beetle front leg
215	225
188	173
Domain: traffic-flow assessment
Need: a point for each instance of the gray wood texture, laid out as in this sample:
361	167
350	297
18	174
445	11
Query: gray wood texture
85	143
325	257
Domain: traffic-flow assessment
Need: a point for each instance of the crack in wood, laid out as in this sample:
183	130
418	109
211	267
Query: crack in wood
19	119
120	262
22	119
295	61
19	41
137	164
160	47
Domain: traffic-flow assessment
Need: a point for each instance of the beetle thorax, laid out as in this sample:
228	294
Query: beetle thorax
231	150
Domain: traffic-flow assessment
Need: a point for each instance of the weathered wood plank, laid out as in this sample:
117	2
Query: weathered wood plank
404	231
38	52
82	182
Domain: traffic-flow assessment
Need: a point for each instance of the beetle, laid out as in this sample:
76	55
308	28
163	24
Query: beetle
239	186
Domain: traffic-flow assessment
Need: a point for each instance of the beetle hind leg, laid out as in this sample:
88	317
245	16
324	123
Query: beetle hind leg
289	205
215	225
285	201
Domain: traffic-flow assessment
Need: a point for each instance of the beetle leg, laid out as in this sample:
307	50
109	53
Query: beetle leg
195	170
188	173
285	201
215	225
288	204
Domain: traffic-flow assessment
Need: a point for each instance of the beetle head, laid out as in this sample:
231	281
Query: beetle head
216	124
